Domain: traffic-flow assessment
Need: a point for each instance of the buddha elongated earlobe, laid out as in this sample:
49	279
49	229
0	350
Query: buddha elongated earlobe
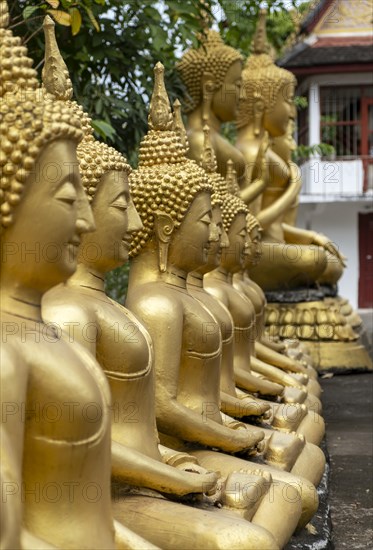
259	108
208	90
164	227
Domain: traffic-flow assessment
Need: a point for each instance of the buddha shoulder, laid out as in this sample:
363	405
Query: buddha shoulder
155	301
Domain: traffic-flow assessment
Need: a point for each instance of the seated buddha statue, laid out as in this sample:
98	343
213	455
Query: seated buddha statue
265	109
285	450
57	417
172	196
147	477
282	148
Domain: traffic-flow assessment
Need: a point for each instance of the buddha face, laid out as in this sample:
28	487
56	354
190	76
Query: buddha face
284	145
254	240
276	119
216	246
116	220
190	242
226	98
233	256
40	248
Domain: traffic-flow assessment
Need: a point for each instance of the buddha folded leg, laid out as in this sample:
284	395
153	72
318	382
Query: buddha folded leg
189	527
296	265
289	452
289	415
280	506
309	462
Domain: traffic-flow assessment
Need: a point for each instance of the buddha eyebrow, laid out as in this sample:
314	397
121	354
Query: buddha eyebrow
70	177
121	194
205	213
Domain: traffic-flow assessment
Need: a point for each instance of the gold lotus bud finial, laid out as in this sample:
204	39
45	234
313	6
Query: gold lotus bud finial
208	158
231	178
178	124
160	117
4	14
260	42
56	80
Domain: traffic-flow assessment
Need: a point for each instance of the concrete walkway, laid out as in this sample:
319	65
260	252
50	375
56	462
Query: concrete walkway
348	412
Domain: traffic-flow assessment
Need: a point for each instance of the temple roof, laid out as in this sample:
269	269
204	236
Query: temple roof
328	52
334	32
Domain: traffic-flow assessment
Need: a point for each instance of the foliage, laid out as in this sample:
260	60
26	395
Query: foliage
116	283
304	152
238	21
110	48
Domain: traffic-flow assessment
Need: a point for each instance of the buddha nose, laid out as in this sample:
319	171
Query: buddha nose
134	220
214	233
224	240
85	222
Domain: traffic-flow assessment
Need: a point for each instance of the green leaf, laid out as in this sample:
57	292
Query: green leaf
76	20
61	17
103	128
53	3
28	11
92	18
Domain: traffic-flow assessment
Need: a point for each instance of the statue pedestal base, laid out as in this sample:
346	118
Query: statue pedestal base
322	328
341	357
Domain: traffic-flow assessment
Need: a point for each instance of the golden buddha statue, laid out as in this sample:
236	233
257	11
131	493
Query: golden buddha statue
58	432
282	148
144	472
172	196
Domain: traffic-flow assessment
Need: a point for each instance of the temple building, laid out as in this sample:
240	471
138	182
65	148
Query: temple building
333	63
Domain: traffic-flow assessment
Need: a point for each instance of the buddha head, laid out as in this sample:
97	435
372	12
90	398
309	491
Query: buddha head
171	193
267	90
104	174
234	212
43	206
212	76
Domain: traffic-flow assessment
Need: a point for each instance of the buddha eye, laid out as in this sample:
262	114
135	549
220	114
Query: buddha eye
120	203
67	193
206	219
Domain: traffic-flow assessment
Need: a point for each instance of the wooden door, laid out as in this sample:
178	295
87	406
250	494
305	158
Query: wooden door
366	260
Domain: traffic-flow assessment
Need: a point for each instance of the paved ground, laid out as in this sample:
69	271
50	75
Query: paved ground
348	412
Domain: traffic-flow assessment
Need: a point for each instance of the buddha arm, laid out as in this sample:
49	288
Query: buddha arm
243	376
276	209
241	405
252	190
276	346
251	383
274	373
173	417
130	466
278	360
